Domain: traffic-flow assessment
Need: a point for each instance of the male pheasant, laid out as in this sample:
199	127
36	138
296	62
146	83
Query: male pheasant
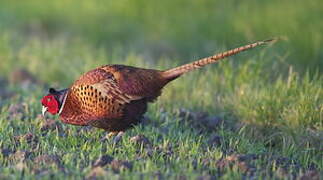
115	97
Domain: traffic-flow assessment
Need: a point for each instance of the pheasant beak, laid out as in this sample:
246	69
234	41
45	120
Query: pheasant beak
44	110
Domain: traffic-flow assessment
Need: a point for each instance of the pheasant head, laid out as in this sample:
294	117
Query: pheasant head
53	101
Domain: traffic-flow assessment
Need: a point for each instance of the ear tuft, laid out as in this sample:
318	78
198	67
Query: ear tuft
52	91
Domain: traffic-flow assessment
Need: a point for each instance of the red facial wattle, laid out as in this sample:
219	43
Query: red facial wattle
51	103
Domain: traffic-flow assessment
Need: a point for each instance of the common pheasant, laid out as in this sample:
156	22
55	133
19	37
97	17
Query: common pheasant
115	97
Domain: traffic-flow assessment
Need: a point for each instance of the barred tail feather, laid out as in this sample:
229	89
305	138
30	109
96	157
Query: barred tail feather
178	71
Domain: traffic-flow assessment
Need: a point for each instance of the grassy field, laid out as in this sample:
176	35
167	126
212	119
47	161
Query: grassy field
257	115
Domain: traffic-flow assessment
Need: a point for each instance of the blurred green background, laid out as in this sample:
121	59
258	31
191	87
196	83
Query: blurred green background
181	29
270	99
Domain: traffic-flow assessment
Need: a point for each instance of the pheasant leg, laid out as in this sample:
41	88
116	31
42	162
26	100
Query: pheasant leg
111	134
115	135
118	137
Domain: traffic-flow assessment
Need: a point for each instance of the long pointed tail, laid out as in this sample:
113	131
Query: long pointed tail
176	72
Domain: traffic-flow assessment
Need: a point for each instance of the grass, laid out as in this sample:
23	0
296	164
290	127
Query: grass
268	101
